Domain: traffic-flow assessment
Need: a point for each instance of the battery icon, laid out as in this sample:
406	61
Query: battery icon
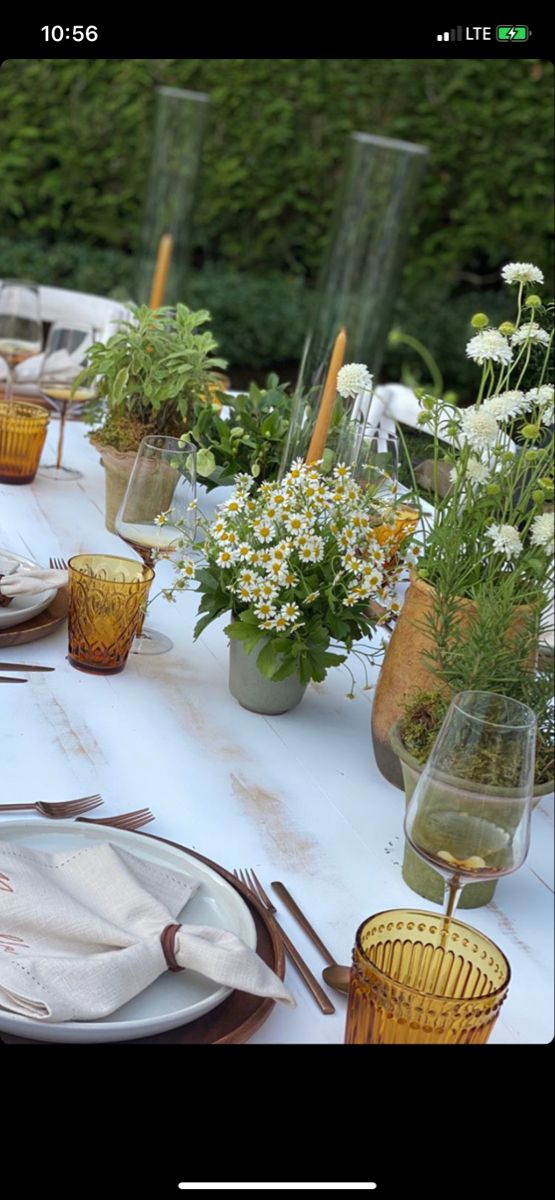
512	33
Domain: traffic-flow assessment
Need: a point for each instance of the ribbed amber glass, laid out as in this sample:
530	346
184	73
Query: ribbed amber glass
107	596
22	435
420	978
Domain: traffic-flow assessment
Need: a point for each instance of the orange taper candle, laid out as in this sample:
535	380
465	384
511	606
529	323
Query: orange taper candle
321	428
161	271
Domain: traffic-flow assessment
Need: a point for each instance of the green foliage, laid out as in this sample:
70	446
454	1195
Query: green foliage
250	439
76	144
152	369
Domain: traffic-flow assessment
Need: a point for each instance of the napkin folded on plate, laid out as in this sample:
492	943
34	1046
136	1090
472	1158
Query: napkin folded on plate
83	931
30	580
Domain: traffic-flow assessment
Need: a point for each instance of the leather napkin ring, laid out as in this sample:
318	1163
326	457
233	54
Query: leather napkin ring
167	938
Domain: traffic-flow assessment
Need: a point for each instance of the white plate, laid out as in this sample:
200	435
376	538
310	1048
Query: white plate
176	998
22	608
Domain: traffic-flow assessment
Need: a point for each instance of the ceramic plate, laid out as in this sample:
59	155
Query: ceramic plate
176	998
22	608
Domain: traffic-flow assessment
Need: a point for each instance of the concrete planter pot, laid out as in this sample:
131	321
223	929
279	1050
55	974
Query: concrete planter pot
253	690
420	877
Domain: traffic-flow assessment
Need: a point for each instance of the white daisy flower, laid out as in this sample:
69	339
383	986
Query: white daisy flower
265	610
530	332
352	379
489	346
521	273
279	622
541	395
188	568
506	540
506	405
264	531
243	552
543	531
225	559
234	504
312	596
268	590
290	611
479	428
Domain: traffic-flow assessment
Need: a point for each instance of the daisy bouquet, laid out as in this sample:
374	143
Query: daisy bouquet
491	537
298	563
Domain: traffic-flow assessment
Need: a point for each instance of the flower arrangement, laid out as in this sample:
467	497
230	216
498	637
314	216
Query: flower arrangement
298	563
488	550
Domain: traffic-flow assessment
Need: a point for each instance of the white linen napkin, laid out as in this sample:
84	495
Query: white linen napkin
81	934
26	581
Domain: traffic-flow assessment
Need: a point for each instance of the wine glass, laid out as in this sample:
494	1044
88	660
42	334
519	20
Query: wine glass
20	325
376	466
64	358
157	515
469	815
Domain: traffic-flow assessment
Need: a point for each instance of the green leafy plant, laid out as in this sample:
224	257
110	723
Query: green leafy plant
248	439
298	564
149	374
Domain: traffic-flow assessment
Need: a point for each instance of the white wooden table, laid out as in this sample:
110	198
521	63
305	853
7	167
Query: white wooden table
298	796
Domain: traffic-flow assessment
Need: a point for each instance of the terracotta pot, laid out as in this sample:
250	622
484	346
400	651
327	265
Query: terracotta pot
406	670
420	877
117	467
253	690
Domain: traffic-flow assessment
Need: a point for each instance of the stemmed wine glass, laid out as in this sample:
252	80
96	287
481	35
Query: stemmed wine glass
469	815
157	515
20	325
64	359
376	466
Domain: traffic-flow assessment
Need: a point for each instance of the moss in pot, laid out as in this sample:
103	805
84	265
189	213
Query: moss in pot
412	739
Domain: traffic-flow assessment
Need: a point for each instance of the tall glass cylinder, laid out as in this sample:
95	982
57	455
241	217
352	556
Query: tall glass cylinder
358	281
179	128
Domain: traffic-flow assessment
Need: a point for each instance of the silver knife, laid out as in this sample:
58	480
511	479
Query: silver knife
9	666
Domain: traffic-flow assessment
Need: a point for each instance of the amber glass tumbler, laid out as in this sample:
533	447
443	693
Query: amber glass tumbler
107	597
419	977
22	435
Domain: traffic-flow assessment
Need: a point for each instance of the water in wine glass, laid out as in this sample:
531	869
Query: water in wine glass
64	358
20	324
157	514
469	815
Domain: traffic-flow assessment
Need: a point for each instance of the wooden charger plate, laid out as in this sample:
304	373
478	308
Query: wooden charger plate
41	625
241	1015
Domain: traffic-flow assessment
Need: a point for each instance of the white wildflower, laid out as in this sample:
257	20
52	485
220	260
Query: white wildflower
225	559
477	471
352	379
530	332
521	273
507	405
479	428
506	540
489	346
290	611
543	531
541	395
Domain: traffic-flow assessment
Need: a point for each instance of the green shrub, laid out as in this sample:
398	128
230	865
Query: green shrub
76	149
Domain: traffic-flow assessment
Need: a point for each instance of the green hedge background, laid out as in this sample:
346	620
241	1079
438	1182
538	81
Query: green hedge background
74	158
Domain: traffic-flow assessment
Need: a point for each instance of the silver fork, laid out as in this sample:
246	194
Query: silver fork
57	564
253	884
130	820
58	808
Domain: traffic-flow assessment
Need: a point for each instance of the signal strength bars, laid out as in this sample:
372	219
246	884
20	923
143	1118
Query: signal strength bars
455	35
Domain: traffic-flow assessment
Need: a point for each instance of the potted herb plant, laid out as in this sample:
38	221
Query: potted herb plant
148	376
472	615
296	564
412	739
246	438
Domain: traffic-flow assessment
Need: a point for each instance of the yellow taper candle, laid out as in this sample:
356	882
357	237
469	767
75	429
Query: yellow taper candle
321	428
161	271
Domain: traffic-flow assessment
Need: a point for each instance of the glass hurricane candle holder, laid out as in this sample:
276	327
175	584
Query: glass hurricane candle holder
22	435
107	598
418	978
